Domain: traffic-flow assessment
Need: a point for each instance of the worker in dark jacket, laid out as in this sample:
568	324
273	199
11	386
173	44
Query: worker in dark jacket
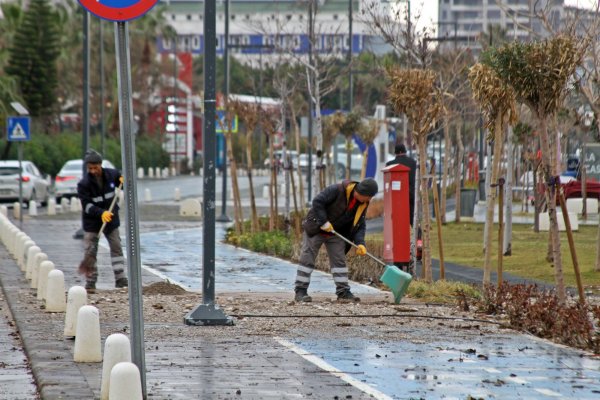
96	191
341	207
407	161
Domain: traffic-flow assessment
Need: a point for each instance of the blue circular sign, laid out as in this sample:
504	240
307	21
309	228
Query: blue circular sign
118	10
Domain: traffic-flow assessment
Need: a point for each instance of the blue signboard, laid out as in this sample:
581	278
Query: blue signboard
221	125
17	129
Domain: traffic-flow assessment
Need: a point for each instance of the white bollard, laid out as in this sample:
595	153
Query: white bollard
116	349
157	172
76	298
177	194
4	211
87	336
55	292
18	244
125	382
75	204
23	255
190	207
165	173
140	173
266	189
150	172
51	206
121	198
64	205
45	268
33	208
33	250
173	171
147	195
35	272
16	210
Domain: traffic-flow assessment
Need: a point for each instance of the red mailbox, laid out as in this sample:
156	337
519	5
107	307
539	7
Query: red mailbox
396	215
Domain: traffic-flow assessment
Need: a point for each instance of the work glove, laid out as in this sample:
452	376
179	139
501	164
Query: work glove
121	180
327	227
361	250
107	217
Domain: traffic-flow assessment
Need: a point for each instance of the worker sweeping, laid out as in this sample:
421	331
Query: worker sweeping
339	209
97	191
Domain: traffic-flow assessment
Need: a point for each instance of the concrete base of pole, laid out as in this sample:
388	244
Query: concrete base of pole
44	270
125	382
55	292
117	349
206	315
76	298
87	336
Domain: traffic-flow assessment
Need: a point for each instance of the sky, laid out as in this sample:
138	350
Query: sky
429	9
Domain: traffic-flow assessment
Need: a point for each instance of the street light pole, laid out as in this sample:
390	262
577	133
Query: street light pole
102	110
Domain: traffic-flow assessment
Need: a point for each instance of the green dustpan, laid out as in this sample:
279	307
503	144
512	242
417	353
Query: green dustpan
393	277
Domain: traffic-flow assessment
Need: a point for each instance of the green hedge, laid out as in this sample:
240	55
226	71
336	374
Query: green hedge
50	152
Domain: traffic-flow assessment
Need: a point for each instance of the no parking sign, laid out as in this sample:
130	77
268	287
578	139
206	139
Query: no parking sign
118	10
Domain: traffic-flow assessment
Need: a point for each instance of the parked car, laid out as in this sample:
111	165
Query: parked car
278	154
356	161
65	183
303	162
36	186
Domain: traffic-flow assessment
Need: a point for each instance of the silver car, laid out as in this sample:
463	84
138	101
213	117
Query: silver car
35	185
65	183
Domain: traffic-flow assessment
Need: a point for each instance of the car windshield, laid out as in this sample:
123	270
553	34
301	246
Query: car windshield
9	170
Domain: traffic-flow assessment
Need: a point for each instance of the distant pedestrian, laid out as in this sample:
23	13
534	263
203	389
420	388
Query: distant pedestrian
404	159
96	191
341	207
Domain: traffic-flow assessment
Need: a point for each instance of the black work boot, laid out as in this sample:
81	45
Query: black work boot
90	287
347	297
302	296
121	283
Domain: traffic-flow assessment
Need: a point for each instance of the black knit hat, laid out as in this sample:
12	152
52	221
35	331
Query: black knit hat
92	157
368	187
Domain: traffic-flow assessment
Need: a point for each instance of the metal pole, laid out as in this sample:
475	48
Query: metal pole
208	313
223	217
86	100
310	104
134	264
350	80
20	151
102	110
175	116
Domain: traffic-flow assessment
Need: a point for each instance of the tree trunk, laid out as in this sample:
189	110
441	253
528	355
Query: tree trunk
445	169
426	217
348	156
300	180
254	215
491	200
551	203
457	171
363	168
237	204
507	248
273	185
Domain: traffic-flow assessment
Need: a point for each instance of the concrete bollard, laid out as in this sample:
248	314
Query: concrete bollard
165	173
4	211
173	171
16	210
76	298
23	255
17	244
177	195
33	250
75	204
87	336
266	189
147	195
55	292
116	350
140	173
51	206
121	198
45	268
32	208
157	172
12	240
190	207
64	205
150	172
35	272
125	382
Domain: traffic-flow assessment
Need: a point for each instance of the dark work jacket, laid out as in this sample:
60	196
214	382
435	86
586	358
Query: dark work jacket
331	205
95	201
410	163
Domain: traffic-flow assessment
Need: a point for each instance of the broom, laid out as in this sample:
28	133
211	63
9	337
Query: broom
393	277
86	267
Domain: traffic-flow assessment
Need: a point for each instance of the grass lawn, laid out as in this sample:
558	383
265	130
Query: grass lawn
463	244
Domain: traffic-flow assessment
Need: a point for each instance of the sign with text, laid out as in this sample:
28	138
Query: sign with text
591	160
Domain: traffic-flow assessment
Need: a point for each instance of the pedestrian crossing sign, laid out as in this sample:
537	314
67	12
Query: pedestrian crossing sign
18	129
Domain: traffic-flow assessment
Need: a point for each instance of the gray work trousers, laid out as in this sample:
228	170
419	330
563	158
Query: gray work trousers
90	242
336	251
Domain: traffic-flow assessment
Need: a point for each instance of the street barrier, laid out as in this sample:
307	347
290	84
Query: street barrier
51	206
87	336
64	205
75	204
140	173
16	210
42	287
177	195
22	256
117	349
190	207
4	211
150	172
545	222
18	243
35	272
32	208
125	382
33	250
575	205
55	292
147	195
76	298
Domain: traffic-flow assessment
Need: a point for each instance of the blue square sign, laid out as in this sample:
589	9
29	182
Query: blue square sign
18	129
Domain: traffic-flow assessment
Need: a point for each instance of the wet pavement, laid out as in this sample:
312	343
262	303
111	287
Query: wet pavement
352	363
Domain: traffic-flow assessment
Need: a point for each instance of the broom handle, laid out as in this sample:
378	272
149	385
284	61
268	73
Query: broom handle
112	205
355	245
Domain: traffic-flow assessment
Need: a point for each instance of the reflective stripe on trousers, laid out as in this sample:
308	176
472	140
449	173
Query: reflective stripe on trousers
116	253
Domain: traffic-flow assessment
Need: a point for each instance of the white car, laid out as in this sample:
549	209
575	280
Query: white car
35	185
65	183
